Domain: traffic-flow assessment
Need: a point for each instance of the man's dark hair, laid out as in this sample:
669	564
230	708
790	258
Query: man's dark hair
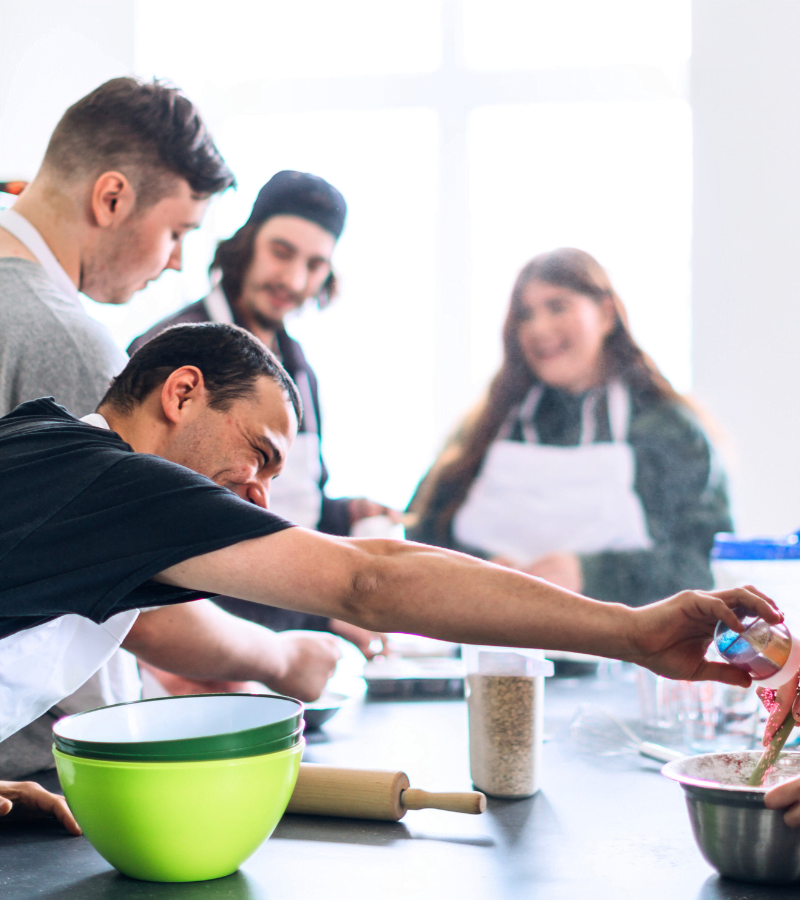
230	358
233	257
149	131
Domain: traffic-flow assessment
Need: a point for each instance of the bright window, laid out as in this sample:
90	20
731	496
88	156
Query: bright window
509	34
467	137
610	178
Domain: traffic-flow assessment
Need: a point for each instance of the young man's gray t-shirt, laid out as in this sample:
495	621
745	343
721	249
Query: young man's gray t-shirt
49	345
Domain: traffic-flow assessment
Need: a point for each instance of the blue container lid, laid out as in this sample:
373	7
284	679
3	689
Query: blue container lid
732	546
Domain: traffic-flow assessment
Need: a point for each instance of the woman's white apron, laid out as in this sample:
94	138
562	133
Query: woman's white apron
530	500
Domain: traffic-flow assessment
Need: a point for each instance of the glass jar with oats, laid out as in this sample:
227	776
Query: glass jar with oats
505	704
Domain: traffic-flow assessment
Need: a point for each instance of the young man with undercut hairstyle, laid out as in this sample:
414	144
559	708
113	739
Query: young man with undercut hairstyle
128	172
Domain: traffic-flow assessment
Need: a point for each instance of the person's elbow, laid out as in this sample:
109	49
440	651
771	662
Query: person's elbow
151	629
367	587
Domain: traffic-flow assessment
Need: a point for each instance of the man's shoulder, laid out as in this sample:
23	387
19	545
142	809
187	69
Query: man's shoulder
42	432
194	314
21	279
40	414
41	409
35	314
28	295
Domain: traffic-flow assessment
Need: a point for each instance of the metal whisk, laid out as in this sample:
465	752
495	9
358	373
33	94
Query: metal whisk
599	732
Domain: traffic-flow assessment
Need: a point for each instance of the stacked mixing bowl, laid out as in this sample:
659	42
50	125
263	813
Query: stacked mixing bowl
180	788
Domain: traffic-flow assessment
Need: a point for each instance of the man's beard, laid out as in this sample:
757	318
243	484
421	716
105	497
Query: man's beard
264	320
266	323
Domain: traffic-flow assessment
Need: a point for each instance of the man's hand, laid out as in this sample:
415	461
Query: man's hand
300	664
211	650
34	802
563	569
370	643
672	636
778	702
310	659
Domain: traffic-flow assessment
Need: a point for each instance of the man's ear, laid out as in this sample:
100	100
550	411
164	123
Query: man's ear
183	389
113	199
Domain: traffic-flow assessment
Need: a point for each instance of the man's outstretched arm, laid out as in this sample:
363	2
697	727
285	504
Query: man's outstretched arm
406	587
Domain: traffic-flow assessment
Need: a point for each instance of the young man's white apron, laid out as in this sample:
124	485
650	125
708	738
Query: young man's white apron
530	499
295	494
43	665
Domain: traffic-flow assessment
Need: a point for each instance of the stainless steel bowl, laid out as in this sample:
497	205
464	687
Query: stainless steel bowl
735	832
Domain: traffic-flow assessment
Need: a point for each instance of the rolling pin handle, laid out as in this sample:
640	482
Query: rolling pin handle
470	802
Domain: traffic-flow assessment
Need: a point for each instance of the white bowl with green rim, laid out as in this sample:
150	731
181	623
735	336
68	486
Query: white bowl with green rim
196	727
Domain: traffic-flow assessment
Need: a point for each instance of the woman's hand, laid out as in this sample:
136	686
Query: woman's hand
778	703
671	637
562	569
34	802
786	795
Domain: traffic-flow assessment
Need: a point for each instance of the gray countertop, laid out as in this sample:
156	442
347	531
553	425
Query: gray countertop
601	827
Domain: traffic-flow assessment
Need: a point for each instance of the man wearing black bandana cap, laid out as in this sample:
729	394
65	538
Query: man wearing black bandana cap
279	259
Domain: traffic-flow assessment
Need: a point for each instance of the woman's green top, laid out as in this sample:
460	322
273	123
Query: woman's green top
678	479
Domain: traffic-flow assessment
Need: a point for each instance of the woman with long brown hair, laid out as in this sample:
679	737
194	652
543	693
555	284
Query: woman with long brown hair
582	465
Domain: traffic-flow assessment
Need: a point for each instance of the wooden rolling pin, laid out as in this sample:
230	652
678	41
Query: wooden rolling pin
370	794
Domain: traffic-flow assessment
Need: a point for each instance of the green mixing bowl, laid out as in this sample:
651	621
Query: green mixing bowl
179	821
182	729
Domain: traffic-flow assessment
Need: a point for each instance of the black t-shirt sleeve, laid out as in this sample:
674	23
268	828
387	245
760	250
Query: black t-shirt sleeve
95	553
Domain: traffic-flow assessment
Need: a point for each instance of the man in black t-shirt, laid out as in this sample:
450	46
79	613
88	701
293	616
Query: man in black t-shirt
169	502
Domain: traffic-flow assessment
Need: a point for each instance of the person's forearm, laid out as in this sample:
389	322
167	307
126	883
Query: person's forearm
395	586
476	602
199	640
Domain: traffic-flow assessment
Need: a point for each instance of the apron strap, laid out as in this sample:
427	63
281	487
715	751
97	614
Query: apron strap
588	419
26	234
310	423
526	412
619	410
619	414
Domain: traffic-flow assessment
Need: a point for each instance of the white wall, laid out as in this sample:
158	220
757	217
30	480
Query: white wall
746	291
51	54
